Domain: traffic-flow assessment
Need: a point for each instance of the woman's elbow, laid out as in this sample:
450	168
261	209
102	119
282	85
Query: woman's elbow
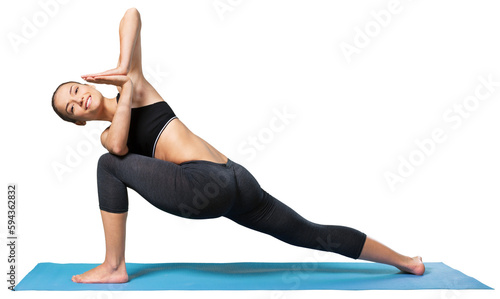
118	150
133	12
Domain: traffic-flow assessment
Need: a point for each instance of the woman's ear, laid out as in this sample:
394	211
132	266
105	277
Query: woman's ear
80	123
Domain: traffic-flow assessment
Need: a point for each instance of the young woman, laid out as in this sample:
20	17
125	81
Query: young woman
154	153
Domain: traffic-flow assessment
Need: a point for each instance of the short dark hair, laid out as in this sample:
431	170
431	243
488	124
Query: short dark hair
61	115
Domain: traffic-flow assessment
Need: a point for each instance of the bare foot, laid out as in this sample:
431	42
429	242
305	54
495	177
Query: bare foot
103	273
414	266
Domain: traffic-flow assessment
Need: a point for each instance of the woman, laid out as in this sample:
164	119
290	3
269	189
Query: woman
154	153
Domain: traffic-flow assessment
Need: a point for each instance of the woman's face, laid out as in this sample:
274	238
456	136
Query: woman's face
80	102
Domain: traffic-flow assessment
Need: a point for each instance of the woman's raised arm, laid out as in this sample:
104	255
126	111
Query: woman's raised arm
129	60
130	46
114	138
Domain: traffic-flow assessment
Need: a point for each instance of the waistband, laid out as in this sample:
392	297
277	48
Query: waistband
228	164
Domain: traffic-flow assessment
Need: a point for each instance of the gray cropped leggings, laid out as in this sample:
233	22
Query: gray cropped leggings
203	189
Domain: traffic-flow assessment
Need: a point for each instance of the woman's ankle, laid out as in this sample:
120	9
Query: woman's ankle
114	263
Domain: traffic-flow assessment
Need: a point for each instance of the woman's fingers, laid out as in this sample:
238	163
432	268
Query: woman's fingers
93	75
90	79
90	75
116	80
98	74
96	80
115	71
108	72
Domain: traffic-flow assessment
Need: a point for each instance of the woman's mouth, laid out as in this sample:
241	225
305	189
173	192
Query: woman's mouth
89	100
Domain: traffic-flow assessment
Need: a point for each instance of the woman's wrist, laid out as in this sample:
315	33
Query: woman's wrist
127	85
126	92
123	68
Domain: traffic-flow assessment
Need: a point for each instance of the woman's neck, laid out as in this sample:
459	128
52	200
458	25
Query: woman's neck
109	108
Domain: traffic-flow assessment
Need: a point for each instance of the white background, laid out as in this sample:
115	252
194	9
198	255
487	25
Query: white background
226	75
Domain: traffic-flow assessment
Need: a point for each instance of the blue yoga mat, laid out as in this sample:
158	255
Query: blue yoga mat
253	276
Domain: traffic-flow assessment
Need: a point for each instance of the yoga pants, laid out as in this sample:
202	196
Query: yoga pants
204	189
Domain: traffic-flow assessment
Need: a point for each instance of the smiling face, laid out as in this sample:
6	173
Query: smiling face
77	102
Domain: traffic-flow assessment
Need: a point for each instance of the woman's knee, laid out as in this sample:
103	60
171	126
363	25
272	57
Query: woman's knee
106	161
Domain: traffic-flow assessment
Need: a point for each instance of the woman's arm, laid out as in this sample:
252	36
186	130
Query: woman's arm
114	138
130	44
129	61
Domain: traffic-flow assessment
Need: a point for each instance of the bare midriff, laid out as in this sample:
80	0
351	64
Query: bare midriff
178	144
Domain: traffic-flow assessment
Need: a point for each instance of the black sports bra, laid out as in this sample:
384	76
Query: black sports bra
146	125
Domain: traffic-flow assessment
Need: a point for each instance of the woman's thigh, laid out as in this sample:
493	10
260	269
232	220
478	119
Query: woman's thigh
191	190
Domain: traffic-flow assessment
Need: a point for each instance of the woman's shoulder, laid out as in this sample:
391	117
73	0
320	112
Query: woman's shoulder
144	93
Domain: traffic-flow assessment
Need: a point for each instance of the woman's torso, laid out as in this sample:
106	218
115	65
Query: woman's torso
176	143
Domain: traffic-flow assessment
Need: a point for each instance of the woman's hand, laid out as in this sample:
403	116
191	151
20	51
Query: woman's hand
116	80
119	71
